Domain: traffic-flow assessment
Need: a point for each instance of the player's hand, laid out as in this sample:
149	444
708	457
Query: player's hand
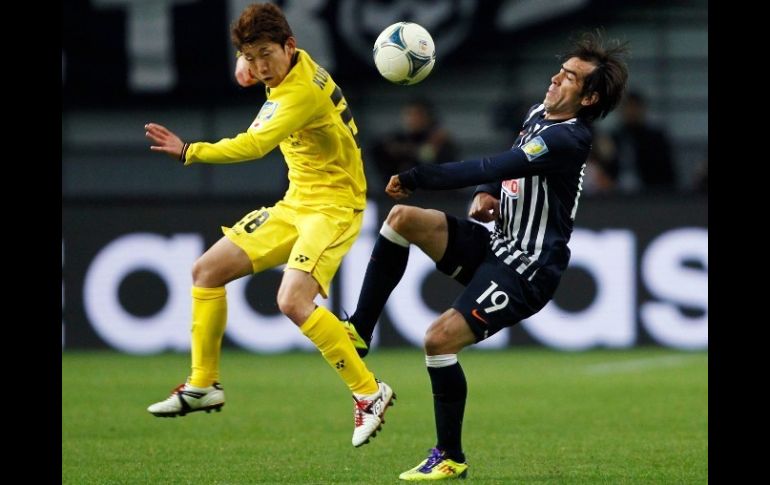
396	190
484	207
164	140
243	74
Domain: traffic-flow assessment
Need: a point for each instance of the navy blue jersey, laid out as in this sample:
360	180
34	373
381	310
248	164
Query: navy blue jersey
538	182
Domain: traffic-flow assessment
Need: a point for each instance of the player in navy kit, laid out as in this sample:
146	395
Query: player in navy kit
531	192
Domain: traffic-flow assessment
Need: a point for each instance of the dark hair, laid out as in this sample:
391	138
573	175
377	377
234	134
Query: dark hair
260	21
609	78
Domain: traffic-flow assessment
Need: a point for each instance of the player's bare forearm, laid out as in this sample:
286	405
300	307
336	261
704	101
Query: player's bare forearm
164	140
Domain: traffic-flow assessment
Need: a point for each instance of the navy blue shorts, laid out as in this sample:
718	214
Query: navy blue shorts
495	296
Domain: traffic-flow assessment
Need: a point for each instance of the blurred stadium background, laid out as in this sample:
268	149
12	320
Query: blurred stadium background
134	221
631	407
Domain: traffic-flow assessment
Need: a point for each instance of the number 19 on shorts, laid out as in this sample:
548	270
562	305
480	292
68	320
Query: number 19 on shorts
498	298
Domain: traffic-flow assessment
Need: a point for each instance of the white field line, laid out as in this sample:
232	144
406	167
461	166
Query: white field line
637	364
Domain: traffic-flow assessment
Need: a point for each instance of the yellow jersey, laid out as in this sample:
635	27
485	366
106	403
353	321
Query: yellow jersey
309	118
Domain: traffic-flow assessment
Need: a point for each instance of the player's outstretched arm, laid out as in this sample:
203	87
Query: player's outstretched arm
243	74
563	150
484	208
164	140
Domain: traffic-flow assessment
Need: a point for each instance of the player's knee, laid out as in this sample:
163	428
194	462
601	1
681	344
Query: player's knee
201	274
400	217
434	342
286	304
295	309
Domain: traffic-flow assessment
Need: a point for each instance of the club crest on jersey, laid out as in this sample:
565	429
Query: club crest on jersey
265	113
511	187
535	148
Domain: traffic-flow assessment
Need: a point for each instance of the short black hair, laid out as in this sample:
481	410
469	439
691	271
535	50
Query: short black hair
608	80
260	21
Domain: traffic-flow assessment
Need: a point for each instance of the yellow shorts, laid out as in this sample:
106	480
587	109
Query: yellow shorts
311	239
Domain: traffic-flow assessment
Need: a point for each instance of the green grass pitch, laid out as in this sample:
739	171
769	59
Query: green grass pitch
533	416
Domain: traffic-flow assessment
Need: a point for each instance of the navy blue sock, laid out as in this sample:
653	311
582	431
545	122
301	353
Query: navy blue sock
450	390
384	271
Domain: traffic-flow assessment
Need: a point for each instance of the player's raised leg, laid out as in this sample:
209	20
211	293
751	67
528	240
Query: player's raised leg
371	397
404	225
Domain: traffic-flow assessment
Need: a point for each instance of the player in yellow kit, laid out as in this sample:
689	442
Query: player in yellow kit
310	229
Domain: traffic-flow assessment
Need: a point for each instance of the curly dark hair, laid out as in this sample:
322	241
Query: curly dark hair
260	21
610	77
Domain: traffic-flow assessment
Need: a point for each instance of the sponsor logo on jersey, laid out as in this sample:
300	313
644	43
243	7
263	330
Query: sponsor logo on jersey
535	148
511	187
267	112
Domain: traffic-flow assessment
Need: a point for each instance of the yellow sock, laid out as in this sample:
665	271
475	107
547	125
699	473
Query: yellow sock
328	334
209	316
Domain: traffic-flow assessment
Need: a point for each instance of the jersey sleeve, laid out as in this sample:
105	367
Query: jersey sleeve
492	189
278	118
554	149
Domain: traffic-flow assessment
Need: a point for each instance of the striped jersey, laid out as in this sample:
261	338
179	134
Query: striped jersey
538	182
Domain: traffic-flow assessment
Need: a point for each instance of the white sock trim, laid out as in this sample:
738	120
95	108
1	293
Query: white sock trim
444	360
391	235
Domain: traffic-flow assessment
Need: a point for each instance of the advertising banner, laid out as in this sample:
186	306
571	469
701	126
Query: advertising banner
638	276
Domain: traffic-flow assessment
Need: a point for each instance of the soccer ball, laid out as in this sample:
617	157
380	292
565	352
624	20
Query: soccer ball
404	53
